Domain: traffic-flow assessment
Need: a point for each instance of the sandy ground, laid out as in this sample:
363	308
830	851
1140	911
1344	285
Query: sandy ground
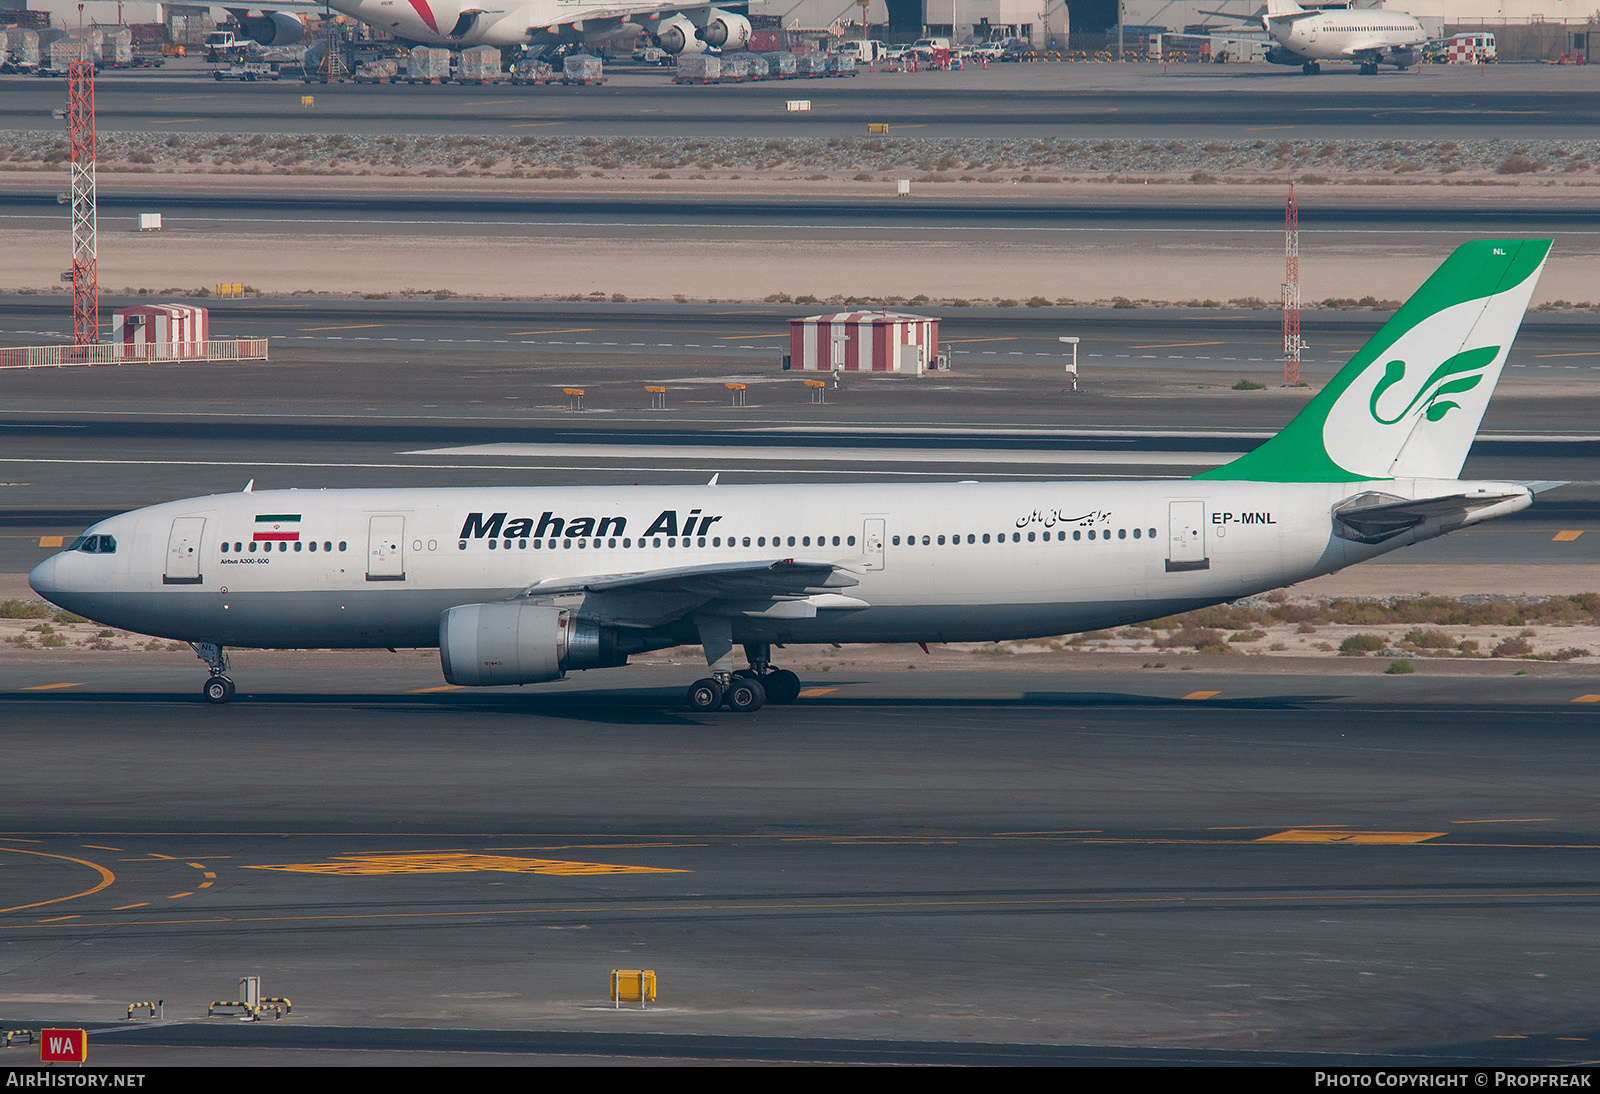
652	264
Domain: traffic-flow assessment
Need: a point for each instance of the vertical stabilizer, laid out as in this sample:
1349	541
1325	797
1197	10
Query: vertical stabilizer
1409	402
1278	8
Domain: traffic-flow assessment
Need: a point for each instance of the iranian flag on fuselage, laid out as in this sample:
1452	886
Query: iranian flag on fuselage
274	527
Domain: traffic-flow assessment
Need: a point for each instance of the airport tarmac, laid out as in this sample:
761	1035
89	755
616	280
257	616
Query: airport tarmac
1184	866
1022	101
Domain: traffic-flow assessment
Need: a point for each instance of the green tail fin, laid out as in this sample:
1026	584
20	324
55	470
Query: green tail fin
1409	402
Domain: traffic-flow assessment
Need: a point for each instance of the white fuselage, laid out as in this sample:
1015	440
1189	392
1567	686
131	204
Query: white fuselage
1360	34
956	562
456	23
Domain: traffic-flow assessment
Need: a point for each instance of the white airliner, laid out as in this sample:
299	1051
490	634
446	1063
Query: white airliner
676	27
1367	36
520	585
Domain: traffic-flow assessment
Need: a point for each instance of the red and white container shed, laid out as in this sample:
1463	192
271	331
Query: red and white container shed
160	331
863	341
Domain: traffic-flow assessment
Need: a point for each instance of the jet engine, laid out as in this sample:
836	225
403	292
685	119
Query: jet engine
482	645
1403	58
678	35
1277	55
272	29
725	30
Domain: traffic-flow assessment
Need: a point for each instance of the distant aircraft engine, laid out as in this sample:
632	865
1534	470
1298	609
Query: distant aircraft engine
725	30
483	645
273	29
1405	58
1277	55
678	35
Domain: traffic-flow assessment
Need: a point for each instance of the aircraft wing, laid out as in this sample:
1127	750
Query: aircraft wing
653	597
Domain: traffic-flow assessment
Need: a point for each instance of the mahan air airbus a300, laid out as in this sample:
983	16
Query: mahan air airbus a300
521	585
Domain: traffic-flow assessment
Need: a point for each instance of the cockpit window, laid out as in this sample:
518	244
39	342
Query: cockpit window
95	545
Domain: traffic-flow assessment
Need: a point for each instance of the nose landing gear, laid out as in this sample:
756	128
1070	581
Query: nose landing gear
219	688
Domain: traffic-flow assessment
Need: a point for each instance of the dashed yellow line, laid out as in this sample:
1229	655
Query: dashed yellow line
812	693
1587	699
1339	835
441	687
430	863
52	541
564	330
1566	536
52	687
1197	695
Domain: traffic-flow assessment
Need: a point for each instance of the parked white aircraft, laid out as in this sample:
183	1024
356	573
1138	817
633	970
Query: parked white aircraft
1367	36
521	585
676	27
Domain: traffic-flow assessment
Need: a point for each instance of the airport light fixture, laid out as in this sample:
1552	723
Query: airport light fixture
1072	368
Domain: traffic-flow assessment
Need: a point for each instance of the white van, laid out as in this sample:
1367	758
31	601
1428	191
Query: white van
866	51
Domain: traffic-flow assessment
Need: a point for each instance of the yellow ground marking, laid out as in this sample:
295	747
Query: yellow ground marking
812	693
529	125
52	687
174	121
441	687
1587	699
196	865
211	874
1345	835
1201	694
1178	345
564	330
52	541
352	326
736	337
128	907
176	896
61	919
106	878
1566	536
1508	820
965	341
181	98
97	847
1581	353
352	865
205	885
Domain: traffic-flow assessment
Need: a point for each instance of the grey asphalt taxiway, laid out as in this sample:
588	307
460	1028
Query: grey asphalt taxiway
984	867
1012	101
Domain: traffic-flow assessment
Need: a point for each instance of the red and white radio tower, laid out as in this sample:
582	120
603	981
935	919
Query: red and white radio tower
85	266
1291	291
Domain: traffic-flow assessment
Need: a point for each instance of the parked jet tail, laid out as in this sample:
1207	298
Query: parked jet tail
1410	401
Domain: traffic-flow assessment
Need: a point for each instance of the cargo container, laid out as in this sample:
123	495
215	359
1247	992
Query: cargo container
697	68
116	50
780	65
531	71
811	66
383	71
581	68
735	68
841	64
23	46
480	65
428	65
759	69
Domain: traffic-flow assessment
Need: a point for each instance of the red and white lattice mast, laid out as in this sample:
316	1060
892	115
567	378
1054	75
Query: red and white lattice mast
1291	291
85	265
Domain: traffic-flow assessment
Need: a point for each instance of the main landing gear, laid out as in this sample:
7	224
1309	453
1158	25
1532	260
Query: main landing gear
219	688
1310	68
747	690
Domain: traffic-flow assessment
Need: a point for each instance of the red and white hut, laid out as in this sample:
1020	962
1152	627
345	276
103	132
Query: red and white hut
863	341
160	331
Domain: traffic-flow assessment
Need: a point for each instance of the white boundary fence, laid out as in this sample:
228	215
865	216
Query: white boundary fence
109	353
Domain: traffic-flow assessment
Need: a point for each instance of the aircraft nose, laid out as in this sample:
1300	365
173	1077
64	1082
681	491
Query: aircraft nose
43	578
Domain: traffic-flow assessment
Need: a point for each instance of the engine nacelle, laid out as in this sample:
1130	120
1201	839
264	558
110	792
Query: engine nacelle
725	30
1403	58
273	29
1277	55
483	645
678	35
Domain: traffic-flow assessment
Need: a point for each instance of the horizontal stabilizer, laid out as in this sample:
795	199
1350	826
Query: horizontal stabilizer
1374	517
